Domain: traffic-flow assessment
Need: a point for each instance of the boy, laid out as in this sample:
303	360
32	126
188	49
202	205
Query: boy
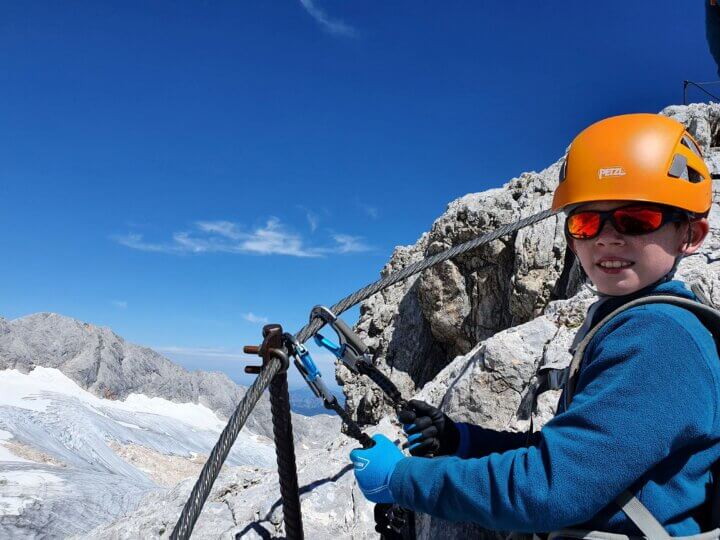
644	417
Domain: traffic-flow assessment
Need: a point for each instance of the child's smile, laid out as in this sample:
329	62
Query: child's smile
613	265
620	264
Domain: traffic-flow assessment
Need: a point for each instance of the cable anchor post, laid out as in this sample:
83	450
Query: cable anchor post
274	347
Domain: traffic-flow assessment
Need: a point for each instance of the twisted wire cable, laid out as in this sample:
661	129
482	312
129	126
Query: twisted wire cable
366	292
200	492
198	496
353	429
285	452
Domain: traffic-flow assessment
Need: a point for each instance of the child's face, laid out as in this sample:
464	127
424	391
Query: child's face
651	255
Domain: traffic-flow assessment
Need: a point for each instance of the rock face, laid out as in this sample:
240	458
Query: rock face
245	503
419	326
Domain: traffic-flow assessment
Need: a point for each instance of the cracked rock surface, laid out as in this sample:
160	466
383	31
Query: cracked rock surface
419	326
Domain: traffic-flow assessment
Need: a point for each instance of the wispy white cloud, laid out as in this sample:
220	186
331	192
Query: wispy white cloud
350	244
313	216
227	229
122	304
136	241
330	25
272	238
255	319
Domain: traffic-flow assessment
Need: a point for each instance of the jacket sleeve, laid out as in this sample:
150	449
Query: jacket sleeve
642	364
476	441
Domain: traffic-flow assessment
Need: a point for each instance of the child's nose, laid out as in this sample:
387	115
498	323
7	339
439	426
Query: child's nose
608	235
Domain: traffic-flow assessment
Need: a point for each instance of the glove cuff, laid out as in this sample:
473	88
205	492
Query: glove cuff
450	440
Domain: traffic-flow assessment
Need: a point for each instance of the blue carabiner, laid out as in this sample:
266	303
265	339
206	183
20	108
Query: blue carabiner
337	350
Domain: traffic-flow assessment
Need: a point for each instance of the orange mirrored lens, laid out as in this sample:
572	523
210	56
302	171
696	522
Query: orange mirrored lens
637	220
583	224
626	220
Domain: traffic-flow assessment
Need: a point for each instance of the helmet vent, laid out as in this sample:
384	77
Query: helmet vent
680	169
687	141
563	171
694	176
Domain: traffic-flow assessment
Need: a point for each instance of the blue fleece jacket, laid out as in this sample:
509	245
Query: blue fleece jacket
644	418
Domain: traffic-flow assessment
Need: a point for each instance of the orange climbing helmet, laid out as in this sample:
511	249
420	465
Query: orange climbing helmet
635	157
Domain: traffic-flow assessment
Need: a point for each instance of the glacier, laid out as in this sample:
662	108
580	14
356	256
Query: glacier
70	461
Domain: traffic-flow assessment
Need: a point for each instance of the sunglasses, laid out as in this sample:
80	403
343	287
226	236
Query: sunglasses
633	219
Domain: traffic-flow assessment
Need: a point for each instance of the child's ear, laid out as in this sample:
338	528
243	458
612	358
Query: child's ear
698	231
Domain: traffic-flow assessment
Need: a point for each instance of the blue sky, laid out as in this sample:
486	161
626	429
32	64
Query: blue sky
184	171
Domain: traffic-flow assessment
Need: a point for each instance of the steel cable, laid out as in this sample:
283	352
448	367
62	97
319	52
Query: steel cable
285	451
366	292
210	471
193	506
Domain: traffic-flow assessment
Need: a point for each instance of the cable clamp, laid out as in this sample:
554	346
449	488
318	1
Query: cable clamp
273	346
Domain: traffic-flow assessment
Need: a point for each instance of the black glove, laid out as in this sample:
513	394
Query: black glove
429	430
390	521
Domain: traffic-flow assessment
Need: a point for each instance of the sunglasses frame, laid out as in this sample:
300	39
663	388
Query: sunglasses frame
669	215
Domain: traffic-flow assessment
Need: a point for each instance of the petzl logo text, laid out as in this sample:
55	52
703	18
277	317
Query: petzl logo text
611	171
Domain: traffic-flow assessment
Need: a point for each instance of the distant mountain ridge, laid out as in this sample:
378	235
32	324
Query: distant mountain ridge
105	364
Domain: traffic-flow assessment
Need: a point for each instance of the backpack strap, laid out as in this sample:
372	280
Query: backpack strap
710	318
641	517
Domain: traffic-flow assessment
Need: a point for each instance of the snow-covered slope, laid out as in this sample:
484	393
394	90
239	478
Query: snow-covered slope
70	461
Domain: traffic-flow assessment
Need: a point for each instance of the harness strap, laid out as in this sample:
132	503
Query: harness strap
641	517
710	318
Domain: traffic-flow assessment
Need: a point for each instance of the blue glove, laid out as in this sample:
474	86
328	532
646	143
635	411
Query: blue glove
374	467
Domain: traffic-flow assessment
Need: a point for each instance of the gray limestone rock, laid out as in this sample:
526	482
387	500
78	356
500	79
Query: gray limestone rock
416	328
245	502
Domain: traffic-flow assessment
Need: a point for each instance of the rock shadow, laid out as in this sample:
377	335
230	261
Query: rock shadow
256	526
